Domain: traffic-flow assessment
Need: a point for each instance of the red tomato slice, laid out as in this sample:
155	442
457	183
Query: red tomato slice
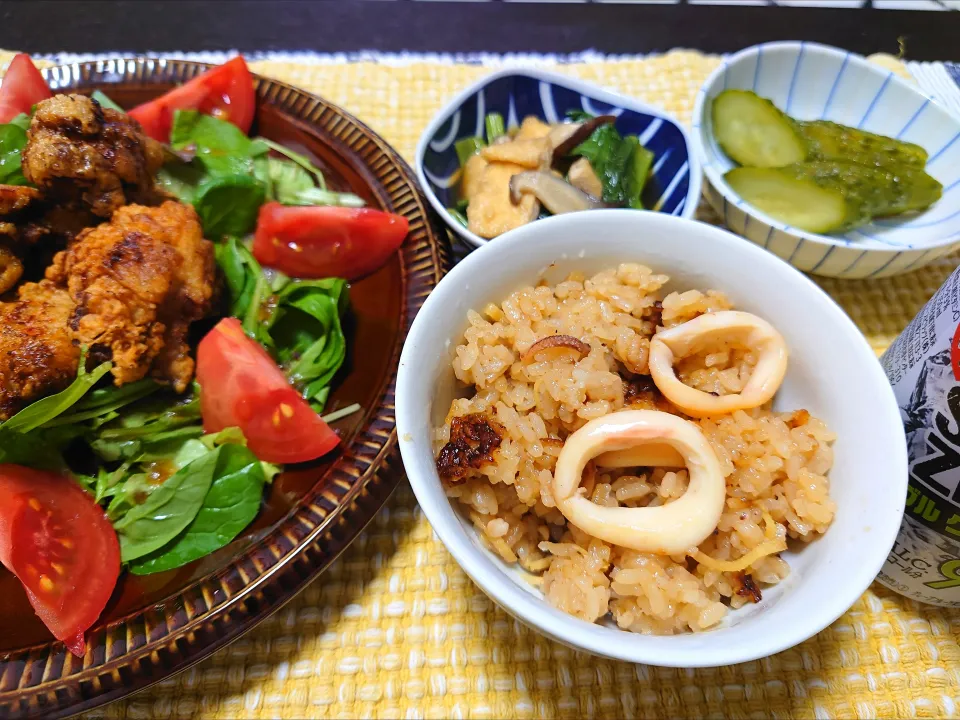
226	92
60	545
23	87
241	386
315	242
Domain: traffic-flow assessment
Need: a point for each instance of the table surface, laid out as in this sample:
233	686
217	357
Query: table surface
627	26
396	629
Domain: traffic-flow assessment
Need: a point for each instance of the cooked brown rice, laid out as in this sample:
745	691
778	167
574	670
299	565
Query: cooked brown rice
775	464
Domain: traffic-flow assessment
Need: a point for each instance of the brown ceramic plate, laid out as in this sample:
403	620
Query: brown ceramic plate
158	625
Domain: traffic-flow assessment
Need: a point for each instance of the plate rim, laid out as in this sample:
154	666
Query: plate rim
175	633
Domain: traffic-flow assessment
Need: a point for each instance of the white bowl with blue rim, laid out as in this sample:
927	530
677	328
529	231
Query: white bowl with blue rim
676	175
811	82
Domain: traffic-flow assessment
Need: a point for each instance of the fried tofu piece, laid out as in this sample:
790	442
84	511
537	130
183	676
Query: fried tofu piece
472	174
138	282
532	128
83	155
37	352
491	212
583	177
530	154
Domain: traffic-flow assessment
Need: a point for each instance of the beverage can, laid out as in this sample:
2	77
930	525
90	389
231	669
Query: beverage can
923	365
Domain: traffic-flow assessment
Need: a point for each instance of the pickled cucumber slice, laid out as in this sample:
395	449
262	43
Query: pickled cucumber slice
829	141
753	132
880	191
829	196
796	201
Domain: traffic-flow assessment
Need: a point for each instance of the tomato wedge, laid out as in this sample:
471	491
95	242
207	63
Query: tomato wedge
241	386
23	87
316	242
226	92
60	545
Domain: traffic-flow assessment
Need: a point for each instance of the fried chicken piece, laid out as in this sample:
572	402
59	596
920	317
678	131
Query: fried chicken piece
15	202
10	269
32	230
138	282
14	198
83	155
37	352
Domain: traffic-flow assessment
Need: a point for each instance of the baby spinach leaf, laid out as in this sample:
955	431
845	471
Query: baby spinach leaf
22	121
302	160
46	409
228	205
291	181
104	101
170	508
241	271
318	196
222	148
231	505
287	180
32	450
297	321
13	138
100	405
308	338
181	179
152	430
106	483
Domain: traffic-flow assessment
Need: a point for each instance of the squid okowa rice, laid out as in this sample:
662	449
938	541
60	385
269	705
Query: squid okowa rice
619	445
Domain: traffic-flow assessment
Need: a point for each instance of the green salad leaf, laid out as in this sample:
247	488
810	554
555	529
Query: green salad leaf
151	431
29	449
13	139
285	179
307	337
173	493
100	405
241	272
168	509
228	204
231	175
181	179
297	321
221	147
46	409
231	504
104	101
301	161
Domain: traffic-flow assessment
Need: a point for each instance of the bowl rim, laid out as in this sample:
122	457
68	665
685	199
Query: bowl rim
701	135
580	86
488	572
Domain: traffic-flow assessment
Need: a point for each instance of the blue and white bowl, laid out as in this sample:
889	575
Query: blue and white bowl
518	93
810	82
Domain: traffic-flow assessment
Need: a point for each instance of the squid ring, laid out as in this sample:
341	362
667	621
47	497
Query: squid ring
756	332
668	529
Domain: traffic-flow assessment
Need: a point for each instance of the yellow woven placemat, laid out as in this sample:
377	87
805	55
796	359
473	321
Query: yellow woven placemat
395	628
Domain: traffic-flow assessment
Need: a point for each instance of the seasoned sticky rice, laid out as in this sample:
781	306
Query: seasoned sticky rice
498	448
